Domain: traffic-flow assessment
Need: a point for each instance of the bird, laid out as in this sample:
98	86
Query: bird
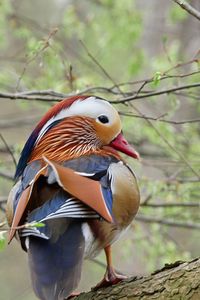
74	194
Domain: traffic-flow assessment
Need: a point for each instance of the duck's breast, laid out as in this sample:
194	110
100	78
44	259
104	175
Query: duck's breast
126	196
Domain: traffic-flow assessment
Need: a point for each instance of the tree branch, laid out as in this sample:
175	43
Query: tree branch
6	176
3	201
129	114
179	280
166	91
8	149
52	96
149	219
189	8
172	204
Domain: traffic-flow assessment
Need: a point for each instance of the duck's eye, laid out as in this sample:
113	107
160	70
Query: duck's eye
103	119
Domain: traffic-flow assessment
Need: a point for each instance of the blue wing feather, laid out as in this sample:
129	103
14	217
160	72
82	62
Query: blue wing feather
28	147
107	194
62	205
56	250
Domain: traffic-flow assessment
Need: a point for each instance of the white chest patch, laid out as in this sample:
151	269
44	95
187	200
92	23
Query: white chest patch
89	239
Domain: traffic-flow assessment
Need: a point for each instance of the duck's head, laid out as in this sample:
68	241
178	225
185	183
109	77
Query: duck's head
73	127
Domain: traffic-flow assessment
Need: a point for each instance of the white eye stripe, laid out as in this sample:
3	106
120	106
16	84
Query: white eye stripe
90	107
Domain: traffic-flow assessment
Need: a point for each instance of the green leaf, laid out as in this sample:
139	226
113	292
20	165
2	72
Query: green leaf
156	78
35	224
2	240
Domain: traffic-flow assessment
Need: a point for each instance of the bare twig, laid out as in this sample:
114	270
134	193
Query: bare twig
3	223
166	91
46	44
6	176
98	64
189	8
164	76
167	222
187	95
168	143
181	180
172	204
22	96
8	149
129	114
147	199
18	122
3	201
53	96
2	208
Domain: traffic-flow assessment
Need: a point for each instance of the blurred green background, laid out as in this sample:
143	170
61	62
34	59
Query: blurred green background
145	46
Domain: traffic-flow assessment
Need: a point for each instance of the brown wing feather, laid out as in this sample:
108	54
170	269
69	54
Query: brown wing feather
22	204
82	188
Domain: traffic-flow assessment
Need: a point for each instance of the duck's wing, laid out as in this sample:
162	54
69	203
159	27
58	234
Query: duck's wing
48	190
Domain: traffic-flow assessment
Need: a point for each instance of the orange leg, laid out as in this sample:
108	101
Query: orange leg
110	277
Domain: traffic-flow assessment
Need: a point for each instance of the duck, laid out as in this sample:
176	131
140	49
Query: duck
74	194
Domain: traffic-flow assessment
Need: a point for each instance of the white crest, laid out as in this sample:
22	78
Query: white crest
90	107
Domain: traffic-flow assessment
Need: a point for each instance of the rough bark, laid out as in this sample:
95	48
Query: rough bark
178	281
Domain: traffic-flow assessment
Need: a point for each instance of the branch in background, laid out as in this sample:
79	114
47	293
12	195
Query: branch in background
164	139
145	203
172	204
29	120
17	123
6	176
160	160
181	180
46	44
3	201
189	8
149	219
158	119
52	96
22	96
3	150
163	76
8	149
187	95
99	65
147	95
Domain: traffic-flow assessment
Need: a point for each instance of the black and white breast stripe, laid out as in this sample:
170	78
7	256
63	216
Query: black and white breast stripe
33	232
72	209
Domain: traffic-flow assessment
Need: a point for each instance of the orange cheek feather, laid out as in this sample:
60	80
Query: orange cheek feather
107	133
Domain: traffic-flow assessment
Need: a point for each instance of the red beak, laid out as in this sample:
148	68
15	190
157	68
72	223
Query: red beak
121	144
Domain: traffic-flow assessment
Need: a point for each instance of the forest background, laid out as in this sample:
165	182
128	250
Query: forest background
143	56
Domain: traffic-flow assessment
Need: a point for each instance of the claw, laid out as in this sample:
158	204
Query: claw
111	276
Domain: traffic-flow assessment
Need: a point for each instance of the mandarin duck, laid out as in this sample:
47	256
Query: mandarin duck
71	178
